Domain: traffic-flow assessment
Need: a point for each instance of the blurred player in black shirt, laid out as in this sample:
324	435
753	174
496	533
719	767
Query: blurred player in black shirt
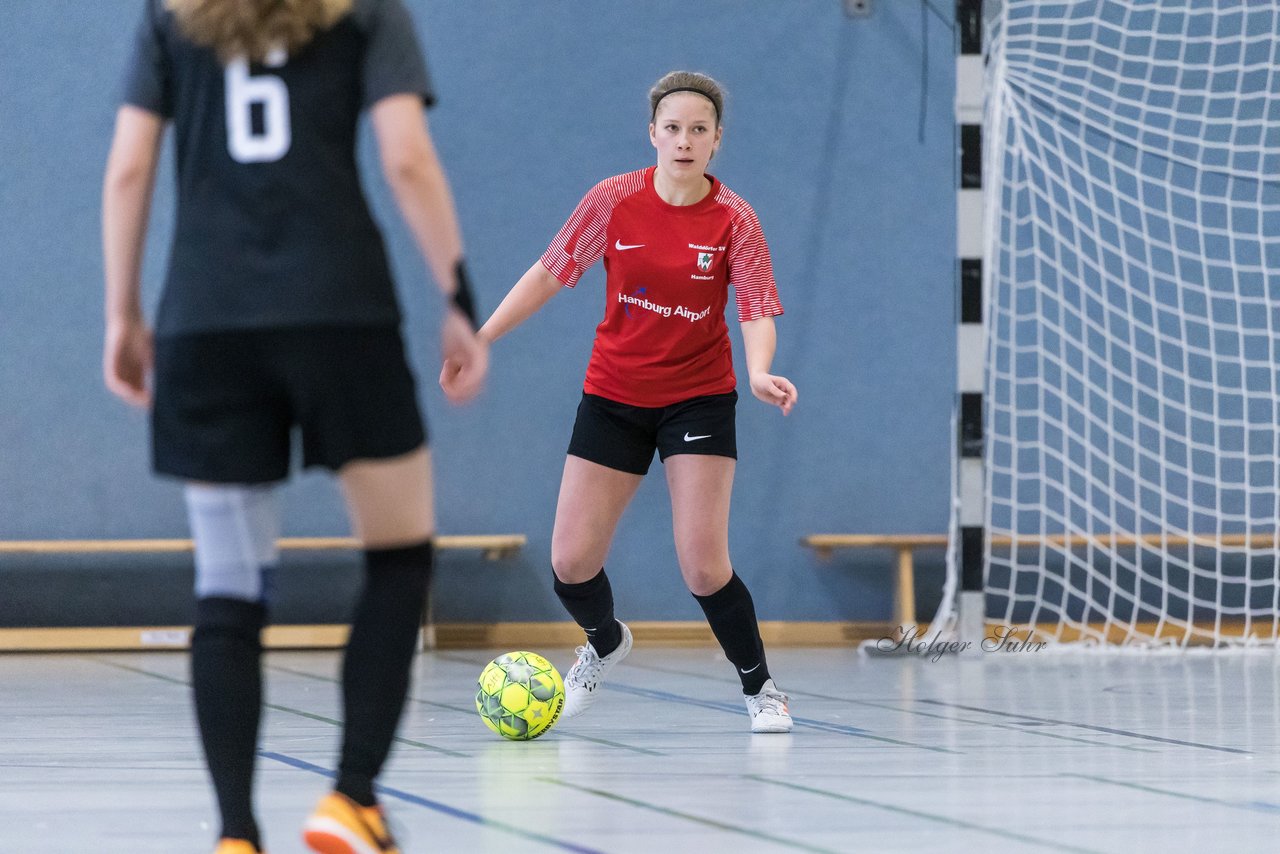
279	312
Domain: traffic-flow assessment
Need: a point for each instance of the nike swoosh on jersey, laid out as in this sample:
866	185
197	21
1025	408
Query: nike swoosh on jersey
617	244
689	438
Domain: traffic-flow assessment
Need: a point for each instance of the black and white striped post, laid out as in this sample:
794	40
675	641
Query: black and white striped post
970	342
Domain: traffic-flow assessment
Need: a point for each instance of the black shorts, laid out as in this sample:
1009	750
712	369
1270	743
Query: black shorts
226	403
624	437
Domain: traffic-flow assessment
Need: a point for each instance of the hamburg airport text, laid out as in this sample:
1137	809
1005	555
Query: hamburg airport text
664	310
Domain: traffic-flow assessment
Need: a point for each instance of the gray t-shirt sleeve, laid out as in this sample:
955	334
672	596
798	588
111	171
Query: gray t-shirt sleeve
147	83
393	63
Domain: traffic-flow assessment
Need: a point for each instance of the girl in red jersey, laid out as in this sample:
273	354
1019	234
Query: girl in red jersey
673	240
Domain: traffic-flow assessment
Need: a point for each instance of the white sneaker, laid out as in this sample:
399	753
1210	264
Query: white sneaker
582	683
769	710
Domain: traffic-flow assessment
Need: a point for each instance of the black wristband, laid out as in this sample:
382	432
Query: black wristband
463	299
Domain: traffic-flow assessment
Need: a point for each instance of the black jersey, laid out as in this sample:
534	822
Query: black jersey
272	227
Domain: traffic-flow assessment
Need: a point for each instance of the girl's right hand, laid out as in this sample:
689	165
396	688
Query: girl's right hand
466	359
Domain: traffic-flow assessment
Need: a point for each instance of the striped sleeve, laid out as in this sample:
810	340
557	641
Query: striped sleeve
582	240
750	267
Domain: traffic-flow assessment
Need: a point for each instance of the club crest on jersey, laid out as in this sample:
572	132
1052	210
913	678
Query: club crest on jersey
704	261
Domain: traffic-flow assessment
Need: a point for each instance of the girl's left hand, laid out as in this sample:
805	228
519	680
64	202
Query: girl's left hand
128	360
778	391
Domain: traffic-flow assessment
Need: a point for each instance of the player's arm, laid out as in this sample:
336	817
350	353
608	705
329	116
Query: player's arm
760	340
126	207
535	288
578	245
413	170
417	180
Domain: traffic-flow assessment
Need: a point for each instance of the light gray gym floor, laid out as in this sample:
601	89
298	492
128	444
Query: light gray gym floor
1002	752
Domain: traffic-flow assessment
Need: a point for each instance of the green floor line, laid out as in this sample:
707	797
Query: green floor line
607	743
152	674
399	739
1037	719
1250	806
965	825
471	712
458	658
892	708
286	709
864	735
697	819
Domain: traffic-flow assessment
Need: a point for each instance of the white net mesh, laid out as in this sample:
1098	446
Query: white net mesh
1132	264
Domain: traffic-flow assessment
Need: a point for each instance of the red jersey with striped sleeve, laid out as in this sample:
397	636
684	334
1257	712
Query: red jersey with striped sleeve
668	270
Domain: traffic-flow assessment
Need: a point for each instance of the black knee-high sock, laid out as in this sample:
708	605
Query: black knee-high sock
732	616
375	671
226	679
590	603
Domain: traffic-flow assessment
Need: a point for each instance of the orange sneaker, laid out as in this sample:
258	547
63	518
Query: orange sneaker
236	846
341	826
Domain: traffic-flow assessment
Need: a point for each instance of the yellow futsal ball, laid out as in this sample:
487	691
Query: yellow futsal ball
521	695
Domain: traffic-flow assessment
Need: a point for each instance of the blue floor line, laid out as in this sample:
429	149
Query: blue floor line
420	801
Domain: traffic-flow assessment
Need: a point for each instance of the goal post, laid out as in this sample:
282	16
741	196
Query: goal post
1131	314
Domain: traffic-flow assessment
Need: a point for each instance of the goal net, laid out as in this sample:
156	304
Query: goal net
1132	290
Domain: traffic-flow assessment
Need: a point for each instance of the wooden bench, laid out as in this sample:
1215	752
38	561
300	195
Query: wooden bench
492	546
905	545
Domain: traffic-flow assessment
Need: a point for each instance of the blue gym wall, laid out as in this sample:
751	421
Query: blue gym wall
839	132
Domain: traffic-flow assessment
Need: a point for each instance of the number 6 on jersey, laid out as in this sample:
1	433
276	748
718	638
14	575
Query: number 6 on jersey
268	91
